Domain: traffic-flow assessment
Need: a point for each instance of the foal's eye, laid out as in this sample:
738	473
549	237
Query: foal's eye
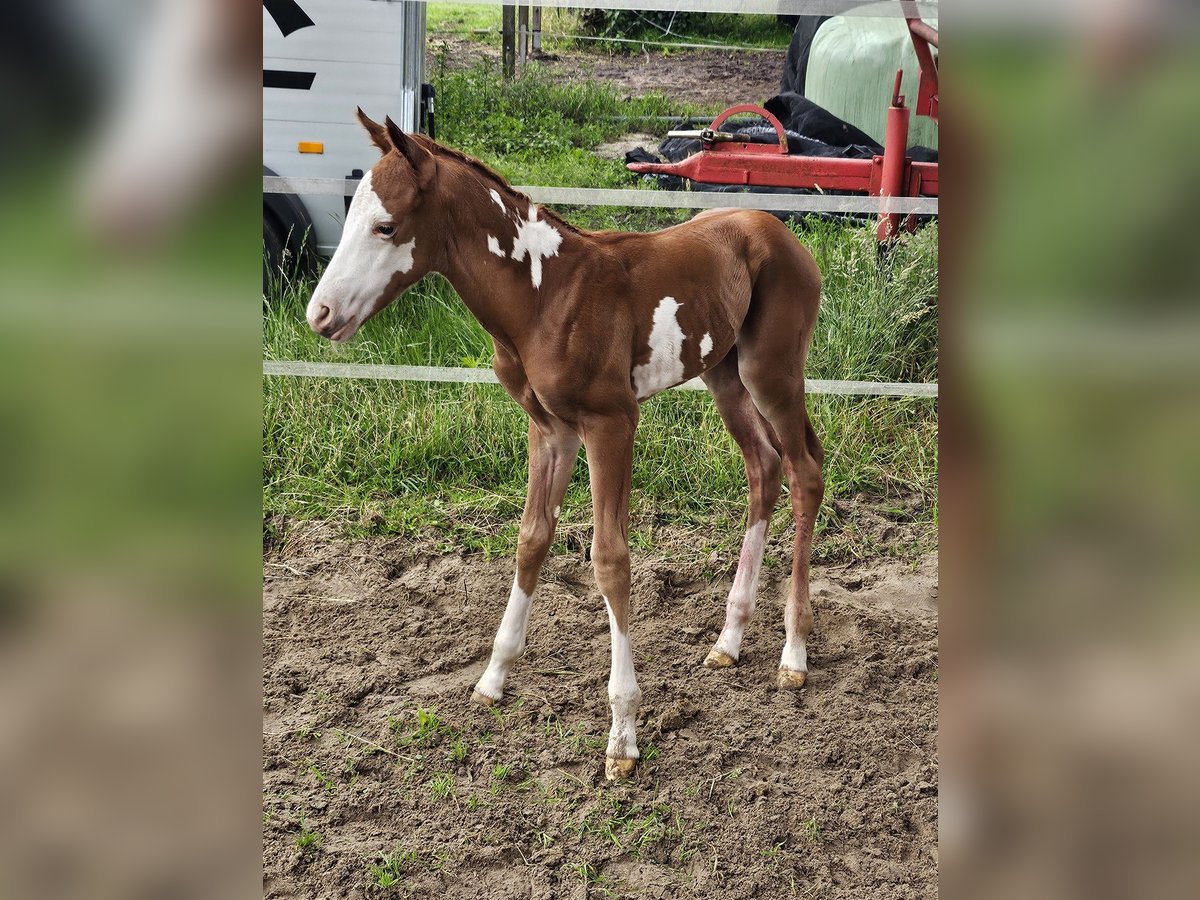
385	230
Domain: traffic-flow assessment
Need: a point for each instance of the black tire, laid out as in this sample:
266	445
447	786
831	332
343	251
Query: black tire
274	248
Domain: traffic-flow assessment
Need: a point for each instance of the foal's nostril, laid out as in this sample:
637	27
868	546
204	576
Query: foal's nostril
321	317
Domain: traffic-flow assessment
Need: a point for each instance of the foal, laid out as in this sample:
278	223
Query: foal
586	325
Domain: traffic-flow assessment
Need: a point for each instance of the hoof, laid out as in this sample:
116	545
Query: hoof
483	699
618	769
717	659
791	680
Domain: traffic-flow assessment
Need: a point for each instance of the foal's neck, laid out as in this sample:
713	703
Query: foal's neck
503	254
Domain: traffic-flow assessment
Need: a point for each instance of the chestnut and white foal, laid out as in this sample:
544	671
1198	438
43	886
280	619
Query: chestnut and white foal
586	325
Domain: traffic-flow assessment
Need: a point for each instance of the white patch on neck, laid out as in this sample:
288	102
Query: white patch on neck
496	199
665	367
705	346
538	240
494	245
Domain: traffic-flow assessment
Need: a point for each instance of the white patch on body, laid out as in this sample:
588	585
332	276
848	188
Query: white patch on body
665	367
740	606
496	199
795	657
494	246
363	265
537	240
705	346
509	643
624	695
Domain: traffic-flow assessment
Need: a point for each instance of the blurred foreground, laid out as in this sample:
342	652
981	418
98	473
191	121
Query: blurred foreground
129	657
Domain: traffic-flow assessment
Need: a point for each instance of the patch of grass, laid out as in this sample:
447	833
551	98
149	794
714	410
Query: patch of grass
813	830
322	779
462	18
592	880
442	785
631	826
392	867
685	27
307	840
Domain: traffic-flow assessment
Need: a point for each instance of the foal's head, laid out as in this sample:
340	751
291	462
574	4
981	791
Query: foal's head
390	239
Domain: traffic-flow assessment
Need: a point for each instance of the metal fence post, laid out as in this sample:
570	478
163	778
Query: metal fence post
522	34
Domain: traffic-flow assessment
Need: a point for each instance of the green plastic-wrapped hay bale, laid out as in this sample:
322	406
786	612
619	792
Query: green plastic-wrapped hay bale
852	68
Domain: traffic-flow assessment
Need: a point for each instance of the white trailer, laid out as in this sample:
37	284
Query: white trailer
321	60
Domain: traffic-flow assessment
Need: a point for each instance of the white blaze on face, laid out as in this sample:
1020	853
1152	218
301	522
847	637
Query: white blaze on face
665	367
363	265
509	643
537	240
624	695
740	606
494	246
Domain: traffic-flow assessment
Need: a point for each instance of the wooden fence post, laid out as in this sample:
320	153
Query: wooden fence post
507	40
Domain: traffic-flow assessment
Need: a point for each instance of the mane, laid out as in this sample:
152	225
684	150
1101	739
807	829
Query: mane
490	175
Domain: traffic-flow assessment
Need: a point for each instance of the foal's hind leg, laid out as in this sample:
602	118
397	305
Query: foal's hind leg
754	437
781	401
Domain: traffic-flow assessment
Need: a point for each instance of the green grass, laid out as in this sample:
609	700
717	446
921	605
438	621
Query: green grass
538	130
729	29
482	23
450	460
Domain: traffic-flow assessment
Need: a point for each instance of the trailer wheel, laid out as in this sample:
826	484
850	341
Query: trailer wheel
274	250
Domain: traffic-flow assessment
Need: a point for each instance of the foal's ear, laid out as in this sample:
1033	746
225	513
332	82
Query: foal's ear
378	133
418	157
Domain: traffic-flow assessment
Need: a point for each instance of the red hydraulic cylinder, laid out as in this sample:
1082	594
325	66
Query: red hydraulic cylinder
895	151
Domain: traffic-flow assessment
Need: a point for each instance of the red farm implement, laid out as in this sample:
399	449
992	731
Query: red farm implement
730	158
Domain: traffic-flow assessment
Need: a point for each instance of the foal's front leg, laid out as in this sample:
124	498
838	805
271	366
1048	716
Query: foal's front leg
553	447
609	444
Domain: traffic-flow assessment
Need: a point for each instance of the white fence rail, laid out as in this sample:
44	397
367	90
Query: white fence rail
487	376
820	203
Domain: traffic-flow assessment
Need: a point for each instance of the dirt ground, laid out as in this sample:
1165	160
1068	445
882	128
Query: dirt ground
711	77
743	791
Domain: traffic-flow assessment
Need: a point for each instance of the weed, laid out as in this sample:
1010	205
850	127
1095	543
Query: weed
391	867
812	829
307	840
322	779
442	786
459	750
592	879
